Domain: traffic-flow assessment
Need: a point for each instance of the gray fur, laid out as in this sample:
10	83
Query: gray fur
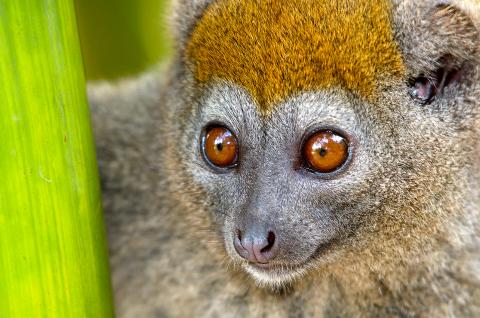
186	13
395	234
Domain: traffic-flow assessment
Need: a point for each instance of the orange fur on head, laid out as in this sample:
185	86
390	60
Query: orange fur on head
276	48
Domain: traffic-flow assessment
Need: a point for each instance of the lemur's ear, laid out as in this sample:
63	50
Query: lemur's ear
435	32
185	15
440	44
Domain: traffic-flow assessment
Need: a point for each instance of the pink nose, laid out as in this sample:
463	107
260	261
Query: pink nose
256	246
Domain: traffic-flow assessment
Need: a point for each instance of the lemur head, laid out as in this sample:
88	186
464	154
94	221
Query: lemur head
326	135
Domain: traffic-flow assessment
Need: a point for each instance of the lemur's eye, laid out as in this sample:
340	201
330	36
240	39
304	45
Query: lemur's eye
325	151
220	147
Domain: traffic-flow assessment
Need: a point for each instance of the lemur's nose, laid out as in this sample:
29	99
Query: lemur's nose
256	245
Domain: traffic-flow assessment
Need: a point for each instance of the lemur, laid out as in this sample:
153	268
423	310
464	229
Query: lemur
300	158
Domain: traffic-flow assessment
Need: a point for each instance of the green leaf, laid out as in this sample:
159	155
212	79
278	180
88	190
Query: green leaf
53	252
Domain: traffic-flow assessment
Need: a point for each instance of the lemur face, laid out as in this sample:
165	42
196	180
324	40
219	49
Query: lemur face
316	124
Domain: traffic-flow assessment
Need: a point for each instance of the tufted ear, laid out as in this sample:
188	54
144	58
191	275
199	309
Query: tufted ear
185	15
440	44
435	33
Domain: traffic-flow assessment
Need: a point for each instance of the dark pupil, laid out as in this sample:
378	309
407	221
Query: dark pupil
322	152
219	146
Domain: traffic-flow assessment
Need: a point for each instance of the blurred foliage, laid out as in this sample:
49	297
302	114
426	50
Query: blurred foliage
122	37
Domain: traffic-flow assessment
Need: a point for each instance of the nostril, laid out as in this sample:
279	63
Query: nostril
271	242
239	246
239	234
271	238
255	247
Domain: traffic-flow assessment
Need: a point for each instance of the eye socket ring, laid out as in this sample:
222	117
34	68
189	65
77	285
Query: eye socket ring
219	147
326	152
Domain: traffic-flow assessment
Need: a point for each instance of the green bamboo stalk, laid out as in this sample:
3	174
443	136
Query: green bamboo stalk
53	255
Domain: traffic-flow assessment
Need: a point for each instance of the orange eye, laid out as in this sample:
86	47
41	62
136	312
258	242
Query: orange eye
325	151
220	147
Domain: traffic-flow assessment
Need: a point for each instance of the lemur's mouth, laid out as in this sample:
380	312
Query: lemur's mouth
275	275
273	266
263	265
